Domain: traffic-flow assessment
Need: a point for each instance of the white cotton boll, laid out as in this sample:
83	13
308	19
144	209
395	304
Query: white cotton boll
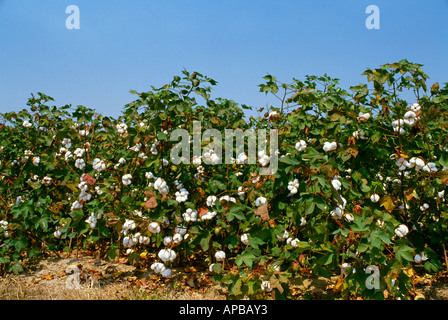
220	256
181	230
432	166
293	187
375	197
211	201
284	236
302	221
26	124
57	234
182	195
167	255
344	268
401	230
145	240
336	184
301	145
76	205
166	273
330	146
167	240
417	258
122	128
209	215
266	286
47	180
158	267
349	217
263	158
337	213
245	238
127	179
190	215
154	227
36	161
161	186
293	242
242	158
177	238
261	201
197	160
415	107
424	207
80	164
365	116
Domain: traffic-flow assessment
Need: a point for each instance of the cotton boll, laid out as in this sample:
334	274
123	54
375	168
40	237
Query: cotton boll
245	238
181	230
26	124
337	213
293	187
57	234
158	267
177	238
166	273
330	146
167	255
336	184
293	242
374	197
260	201
220	256
401	230
211	201
300	146
266	286
154	227
284	236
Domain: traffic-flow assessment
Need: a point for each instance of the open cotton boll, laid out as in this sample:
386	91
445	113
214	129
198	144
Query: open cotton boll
211	201
283	236
375	197
266	286
293	187
401	230
161	186
26	124
158	267
364	116
245	238
181	195
293	242
260	201
337	213
220	256
167	255
190	215
336	184
330	146
180	229
154	227
57	233
166	273
127	179
177	238
301	145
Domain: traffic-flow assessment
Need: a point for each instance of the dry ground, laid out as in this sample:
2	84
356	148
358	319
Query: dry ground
48	279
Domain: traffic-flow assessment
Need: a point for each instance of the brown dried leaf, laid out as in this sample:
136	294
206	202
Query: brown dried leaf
149	193
202	211
90	181
151	203
263	212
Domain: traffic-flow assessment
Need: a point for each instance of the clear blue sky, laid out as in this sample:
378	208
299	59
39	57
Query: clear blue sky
123	45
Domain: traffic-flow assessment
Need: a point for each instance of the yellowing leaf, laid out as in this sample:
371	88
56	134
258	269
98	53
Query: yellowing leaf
387	203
